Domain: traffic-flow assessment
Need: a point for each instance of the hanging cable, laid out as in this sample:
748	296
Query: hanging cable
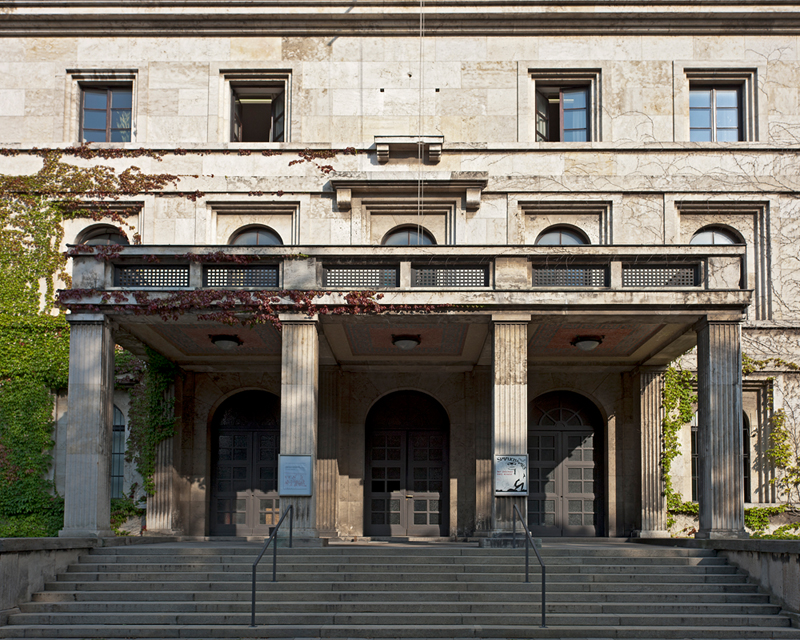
420	146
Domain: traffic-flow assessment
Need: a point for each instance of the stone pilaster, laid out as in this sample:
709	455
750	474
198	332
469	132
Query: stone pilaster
161	505
87	506
299	395
719	430
651	414
509	406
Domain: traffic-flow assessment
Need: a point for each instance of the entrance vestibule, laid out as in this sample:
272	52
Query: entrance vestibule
245	447
407	466
565	466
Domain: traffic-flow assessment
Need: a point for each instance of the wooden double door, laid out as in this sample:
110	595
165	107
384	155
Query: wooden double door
244	475
407	467
564	464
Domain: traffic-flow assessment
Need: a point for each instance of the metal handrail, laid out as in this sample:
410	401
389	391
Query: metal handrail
290	513
529	539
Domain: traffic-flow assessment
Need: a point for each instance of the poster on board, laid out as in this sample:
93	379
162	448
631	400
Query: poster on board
294	475
511	475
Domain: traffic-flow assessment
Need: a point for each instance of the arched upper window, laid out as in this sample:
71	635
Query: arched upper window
256	236
715	235
104	234
408	236
560	236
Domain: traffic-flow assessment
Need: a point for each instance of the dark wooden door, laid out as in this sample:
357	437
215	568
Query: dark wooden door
244	490
406	483
245	497
564	496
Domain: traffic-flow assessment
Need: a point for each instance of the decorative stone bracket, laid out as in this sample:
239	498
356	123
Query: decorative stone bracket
468	184
432	145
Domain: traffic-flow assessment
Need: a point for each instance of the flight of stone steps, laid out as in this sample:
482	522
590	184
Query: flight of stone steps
594	590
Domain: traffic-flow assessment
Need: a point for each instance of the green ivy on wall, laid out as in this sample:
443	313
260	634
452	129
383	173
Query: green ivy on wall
34	334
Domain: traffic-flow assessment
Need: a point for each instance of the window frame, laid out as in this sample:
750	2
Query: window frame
277	80
693	74
408	228
561	88
117	480
535	75
714	108
80	79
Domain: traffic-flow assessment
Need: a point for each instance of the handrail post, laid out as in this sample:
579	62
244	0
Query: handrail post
529	541
514	533
272	537
527	563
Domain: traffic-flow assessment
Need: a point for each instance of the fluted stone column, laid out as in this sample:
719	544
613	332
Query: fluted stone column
326	480
87	506
509	406
719	430
299	397
161	505
651	415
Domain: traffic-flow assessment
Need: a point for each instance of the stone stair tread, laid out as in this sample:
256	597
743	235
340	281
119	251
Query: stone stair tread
353	632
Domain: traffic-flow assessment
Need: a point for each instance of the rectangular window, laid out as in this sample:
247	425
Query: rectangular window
117	459
715	114
562	114
258	113
106	113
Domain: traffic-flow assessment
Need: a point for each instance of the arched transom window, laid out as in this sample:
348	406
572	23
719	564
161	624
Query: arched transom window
408	236
715	235
560	236
256	236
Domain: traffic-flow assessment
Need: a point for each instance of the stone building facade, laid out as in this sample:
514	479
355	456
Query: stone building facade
581	193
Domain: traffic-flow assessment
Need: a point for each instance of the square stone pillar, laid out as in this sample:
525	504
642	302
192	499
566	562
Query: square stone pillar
651	416
719	430
87	500
509	406
299	398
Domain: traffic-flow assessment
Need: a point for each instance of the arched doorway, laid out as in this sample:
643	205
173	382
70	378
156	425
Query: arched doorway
245	437
407	466
565	466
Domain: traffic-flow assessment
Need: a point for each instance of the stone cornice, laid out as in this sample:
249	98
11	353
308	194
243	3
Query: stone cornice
390	17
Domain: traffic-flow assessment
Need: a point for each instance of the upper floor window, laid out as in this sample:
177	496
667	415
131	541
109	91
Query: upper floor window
715	114
560	236
408	236
106	113
258	113
256	236
715	235
562	114
105	234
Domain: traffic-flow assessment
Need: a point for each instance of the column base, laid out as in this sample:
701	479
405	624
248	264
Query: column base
86	533
722	534
651	533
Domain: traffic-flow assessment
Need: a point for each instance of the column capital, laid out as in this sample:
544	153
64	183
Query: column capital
512	317
717	321
87	318
297	318
652	369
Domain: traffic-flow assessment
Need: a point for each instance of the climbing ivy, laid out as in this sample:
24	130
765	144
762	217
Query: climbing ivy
678	400
151	417
34	334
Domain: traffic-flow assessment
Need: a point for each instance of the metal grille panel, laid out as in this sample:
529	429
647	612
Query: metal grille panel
360	277
152	276
570	277
450	277
659	276
265	276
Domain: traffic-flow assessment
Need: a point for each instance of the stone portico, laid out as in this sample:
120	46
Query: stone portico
484	357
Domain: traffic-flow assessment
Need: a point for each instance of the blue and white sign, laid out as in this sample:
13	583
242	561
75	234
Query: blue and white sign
295	475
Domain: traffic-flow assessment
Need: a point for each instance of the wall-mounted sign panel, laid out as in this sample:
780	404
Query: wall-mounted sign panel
295	475
511	475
